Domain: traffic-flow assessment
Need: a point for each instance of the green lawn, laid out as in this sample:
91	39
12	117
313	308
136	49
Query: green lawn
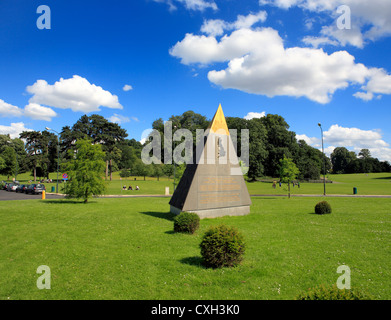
125	249
367	184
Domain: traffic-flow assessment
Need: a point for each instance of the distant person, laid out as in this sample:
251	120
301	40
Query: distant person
124	188
137	188
280	184
274	184
130	188
298	184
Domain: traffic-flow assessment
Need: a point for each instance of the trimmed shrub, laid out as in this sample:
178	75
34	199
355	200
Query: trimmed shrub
323	292
322	207
187	222
222	246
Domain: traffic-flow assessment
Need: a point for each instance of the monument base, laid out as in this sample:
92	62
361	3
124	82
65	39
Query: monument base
217	212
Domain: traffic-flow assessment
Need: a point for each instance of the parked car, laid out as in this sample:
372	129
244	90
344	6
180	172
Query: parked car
29	189
35	188
20	188
12	186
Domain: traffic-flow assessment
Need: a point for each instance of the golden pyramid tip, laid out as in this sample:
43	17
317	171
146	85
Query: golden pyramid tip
218	124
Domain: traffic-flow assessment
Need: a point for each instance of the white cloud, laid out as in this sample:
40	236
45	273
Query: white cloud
370	19
252	115
315	142
75	93
127	87
195	5
353	139
217	27
258	63
117	118
9	110
317	42
14	129
38	112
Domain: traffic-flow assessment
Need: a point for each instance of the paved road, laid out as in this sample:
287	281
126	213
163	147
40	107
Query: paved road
8	195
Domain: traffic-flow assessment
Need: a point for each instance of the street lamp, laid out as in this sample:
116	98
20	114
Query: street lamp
58	153
174	162
324	162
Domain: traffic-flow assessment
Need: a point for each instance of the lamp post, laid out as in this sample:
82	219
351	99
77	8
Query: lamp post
174	163
58	153
324	162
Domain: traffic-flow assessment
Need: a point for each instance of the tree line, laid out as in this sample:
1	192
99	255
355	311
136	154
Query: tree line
270	140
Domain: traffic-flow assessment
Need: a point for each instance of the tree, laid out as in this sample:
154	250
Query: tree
34	149
280	142
288	172
8	155
85	170
100	131
341	158
364	154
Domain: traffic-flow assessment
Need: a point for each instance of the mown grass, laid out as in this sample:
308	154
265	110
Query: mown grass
126	249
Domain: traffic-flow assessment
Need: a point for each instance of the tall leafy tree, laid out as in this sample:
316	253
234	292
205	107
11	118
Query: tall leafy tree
288	172
100	131
341	158
85	170
280	142
37	151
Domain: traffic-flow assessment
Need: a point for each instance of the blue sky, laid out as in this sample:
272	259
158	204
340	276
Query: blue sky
284	57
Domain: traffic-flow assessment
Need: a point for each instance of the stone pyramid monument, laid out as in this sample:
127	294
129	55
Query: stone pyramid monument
213	186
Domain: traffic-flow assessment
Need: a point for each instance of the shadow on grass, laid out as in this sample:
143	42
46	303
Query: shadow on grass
162	215
383	178
193	261
65	201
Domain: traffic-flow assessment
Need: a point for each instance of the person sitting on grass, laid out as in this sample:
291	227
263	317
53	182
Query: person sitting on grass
137	188
124	188
130	188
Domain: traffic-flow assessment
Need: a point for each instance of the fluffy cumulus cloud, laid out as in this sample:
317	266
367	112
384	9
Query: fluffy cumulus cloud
315	142
32	110
217	27
75	93
14	129
194	5
369	19
259	63
9	110
38	112
253	115
354	139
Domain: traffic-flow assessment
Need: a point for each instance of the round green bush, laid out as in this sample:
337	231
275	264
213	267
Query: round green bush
323	292
222	246
187	222
322	207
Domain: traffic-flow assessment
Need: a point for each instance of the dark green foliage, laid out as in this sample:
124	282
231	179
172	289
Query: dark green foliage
222	246
323	292
187	222
322	207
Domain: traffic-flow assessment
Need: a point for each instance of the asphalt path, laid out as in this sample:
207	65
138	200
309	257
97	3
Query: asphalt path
12	195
